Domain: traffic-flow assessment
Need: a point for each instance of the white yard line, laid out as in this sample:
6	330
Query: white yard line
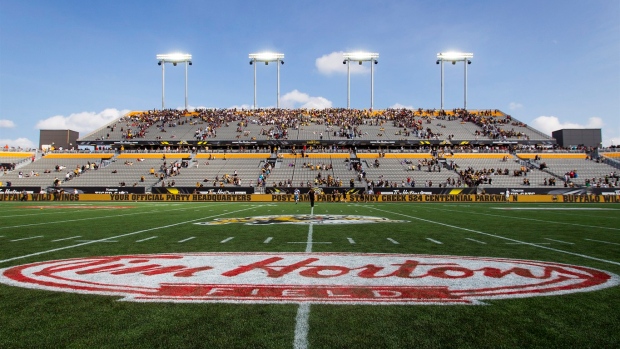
118	236
94	241
28	238
73	237
189	238
497	236
521	243
605	242
302	323
560	241
435	241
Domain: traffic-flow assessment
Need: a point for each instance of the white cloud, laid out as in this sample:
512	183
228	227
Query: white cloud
84	122
7	124
548	124
515	105
242	106
296	99
332	63
192	108
611	136
400	106
23	143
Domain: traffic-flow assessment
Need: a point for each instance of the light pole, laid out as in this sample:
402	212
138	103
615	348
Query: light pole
455	57
267	57
173	58
360	57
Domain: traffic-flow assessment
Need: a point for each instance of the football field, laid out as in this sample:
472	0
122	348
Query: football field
285	275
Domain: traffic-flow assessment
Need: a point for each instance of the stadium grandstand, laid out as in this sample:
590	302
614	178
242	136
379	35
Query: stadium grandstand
343	150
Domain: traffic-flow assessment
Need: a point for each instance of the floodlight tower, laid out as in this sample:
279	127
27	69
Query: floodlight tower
454	57
173	58
360	57
267	57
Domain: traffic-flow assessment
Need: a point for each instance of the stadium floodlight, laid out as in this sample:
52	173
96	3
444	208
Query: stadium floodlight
455	57
173	58
360	57
267	57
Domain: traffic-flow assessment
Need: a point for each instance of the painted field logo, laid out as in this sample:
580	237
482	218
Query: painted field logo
302	219
327	278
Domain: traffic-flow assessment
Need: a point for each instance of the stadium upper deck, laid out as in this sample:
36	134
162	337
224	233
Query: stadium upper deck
217	128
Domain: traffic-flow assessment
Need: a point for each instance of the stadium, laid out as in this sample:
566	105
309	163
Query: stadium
274	151
312	221
199	228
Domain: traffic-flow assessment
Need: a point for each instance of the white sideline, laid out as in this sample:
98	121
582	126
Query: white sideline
533	219
498	236
118	236
86	219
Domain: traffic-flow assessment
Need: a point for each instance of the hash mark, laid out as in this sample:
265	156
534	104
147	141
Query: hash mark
393	241
267	240
189	238
435	241
474	240
227	239
351	241
152	237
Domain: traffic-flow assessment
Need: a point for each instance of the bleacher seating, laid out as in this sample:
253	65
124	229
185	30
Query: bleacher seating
397	139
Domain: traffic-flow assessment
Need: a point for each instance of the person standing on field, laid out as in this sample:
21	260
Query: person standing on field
311	197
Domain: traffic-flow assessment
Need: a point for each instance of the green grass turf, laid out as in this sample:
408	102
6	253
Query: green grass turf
47	319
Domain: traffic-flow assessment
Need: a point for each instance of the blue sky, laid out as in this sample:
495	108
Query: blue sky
79	64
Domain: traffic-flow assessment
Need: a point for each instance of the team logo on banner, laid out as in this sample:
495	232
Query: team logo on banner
325	278
302	219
